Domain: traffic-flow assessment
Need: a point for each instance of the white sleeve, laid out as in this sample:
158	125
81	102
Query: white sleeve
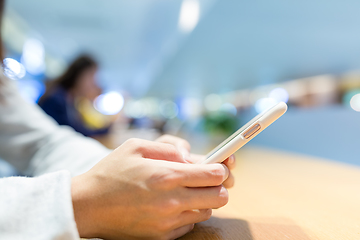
38	208
35	144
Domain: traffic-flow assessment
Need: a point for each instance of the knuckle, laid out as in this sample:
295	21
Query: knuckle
171	206
166	179
165	136
137	145
172	153
132	143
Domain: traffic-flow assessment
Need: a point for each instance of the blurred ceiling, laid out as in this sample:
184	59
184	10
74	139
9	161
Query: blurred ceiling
236	44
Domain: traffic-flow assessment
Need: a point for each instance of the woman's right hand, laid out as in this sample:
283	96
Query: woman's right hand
133	194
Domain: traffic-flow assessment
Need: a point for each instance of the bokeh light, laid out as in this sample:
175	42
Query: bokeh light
258	93
229	108
169	109
189	15
13	69
279	94
190	108
109	103
264	104
33	56
355	102
135	109
213	102
31	90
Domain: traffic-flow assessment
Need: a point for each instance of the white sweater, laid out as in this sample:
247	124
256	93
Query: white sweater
39	207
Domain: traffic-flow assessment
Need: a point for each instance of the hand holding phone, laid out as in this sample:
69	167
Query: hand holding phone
245	134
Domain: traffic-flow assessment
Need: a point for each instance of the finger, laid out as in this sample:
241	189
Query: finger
194	158
203	198
201	175
194	216
230	162
189	217
229	182
181	231
182	145
176	141
155	150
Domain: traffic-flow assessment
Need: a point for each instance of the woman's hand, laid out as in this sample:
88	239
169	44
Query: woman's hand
184	147
181	145
132	194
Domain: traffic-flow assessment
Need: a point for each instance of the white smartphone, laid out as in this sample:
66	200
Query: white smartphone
245	134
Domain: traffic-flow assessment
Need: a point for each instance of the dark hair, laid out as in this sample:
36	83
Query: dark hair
70	77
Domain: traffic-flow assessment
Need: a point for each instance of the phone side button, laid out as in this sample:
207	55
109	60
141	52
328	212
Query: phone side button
252	131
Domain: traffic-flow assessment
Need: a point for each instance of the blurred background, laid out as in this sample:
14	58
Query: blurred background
199	69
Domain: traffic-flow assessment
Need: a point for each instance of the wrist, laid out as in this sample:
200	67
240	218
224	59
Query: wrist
82	207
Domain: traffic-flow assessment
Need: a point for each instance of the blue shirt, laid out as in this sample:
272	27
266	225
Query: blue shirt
59	106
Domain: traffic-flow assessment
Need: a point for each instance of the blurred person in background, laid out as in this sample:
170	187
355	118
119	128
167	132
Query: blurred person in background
78	188
69	98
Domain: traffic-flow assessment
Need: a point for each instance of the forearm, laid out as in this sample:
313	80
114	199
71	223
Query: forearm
67	150
33	142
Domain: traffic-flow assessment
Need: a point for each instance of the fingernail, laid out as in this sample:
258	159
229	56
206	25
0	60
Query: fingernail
231	159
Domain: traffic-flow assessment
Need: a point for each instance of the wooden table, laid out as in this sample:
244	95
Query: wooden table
287	196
